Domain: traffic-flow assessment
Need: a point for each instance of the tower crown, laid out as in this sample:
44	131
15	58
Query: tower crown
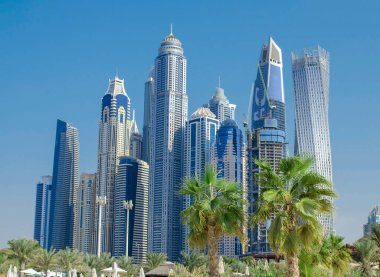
116	86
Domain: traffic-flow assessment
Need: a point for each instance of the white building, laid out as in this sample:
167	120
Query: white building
311	93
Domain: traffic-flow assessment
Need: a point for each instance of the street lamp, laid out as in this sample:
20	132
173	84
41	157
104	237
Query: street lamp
128	205
101	201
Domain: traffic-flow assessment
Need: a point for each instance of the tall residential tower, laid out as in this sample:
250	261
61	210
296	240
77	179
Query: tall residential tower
311	77
166	163
42	211
114	140
65	185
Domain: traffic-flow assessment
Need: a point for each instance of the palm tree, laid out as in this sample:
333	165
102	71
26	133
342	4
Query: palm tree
126	263
375	234
217	210
153	260
193	260
70	259
22	250
92	261
293	198
44	260
339	256
368	255
105	260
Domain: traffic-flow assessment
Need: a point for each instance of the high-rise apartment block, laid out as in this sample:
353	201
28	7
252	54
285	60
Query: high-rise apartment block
85	209
221	106
200	134
373	218
169	119
114	142
42	211
228	157
132	184
311	74
65	184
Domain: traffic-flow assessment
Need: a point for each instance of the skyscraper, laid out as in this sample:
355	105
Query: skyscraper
373	218
85	203
114	140
169	118
265	143
200	134
64	187
266	139
268	93
42	211
135	149
132	184
148	117
228	156
311	95
221	106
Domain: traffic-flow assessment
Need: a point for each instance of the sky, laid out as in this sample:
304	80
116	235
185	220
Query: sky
56	58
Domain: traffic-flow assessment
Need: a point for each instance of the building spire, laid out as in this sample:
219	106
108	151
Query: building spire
117	73
219	82
171	28
133	115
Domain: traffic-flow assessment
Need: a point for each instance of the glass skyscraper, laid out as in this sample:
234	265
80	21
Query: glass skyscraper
311	94
148	118
166	163
132	183
135	149
228	157
85	204
265	143
373	218
65	185
42	211
114	142
268	94
200	135
266	140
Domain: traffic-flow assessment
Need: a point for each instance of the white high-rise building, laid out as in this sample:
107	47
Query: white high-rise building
114	140
311	94
221	106
200	135
166	163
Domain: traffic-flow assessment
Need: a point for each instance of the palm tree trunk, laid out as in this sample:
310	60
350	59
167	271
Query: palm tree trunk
292	261
213	252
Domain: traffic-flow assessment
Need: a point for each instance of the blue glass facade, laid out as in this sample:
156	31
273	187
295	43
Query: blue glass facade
132	183
42	212
228	157
64	187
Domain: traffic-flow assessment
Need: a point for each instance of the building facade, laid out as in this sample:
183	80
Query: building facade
200	135
85	203
268	100
42	211
114	142
148	118
373	218
65	186
228	157
311	95
135	149
221	106
169	119
132	184
265	143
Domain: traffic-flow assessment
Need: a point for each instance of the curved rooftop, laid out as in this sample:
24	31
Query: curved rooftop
202	112
171	44
229	123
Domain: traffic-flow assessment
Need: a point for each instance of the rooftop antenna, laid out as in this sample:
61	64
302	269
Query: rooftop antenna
171	28
117	73
219	82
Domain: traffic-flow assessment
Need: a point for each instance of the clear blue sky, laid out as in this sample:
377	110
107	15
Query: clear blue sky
56	58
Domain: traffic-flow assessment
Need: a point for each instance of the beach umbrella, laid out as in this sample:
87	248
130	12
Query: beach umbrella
75	273
266	265
30	271
221	265
142	274
15	271
102	275
48	273
9	272
93	273
247	271
81	275
114	270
